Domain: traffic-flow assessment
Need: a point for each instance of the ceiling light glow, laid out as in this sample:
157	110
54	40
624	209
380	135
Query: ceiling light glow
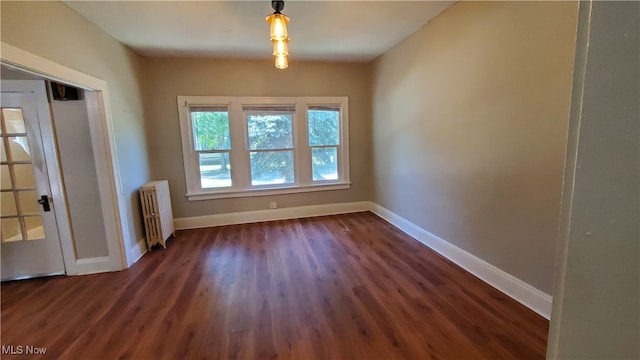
278	33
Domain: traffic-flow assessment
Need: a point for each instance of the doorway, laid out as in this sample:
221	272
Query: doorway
108	189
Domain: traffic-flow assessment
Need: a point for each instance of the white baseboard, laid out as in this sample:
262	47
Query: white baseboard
270	215
94	265
136	251
517	289
105	263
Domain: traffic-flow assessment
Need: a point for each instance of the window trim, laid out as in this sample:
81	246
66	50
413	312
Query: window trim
239	155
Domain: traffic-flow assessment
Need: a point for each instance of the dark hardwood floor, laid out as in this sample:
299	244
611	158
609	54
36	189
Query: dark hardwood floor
335	287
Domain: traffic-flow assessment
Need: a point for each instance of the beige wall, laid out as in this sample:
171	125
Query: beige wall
168	78
596	303
55	32
469	130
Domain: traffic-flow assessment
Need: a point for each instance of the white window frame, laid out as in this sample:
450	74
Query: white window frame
239	153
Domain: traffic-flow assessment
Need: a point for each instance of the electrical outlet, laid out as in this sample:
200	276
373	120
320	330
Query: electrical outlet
273	205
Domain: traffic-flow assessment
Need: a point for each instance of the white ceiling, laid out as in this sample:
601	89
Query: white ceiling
319	30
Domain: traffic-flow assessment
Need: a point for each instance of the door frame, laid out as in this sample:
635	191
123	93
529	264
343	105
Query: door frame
104	152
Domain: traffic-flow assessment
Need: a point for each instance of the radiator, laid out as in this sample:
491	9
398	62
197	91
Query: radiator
156	210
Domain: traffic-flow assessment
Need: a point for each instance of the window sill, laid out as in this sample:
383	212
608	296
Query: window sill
265	192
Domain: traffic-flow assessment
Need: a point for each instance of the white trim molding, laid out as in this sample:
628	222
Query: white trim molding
271	191
513	287
95	265
270	215
136	251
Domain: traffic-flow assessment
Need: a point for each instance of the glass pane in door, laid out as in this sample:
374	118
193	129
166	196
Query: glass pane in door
19	209
19	148
13	121
5	178
24	176
8	204
11	230
28	201
33	225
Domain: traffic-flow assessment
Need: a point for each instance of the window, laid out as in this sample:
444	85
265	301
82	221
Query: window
247	146
324	140
212	144
270	131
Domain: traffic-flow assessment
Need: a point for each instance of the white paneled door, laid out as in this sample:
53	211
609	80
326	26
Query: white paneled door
30	238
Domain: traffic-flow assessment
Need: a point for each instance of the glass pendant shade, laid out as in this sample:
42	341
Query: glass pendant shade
280	47
281	61
278	24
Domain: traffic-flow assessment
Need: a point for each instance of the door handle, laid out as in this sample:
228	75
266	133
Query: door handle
44	201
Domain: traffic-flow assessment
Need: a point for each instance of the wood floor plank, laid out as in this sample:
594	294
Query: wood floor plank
335	287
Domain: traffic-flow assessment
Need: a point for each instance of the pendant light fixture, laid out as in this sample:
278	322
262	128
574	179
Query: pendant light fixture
278	34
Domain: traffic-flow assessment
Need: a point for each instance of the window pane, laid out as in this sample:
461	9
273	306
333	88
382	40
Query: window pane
35	231
8	205
3	154
211	130
270	131
24	176
28	202
271	167
324	127
19	147
11	230
324	163
215	170
5	178
13	121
